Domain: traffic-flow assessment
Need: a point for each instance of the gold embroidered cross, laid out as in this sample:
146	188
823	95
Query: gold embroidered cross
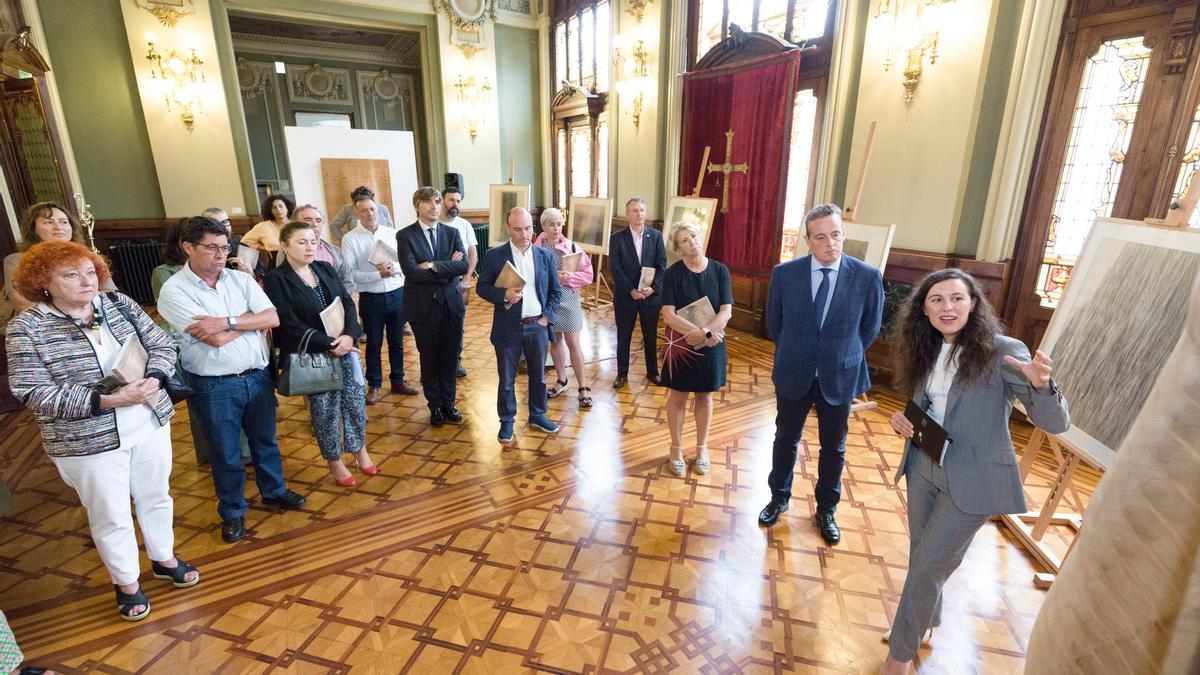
727	168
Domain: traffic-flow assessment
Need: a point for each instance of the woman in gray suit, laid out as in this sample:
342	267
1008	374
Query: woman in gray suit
955	362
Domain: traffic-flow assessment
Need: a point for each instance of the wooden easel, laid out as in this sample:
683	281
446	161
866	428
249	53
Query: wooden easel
1030	527
863	402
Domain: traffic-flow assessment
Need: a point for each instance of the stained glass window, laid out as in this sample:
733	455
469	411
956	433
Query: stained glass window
1189	164
1101	127
581	161
808	19
603	46
560	53
804	124
582	48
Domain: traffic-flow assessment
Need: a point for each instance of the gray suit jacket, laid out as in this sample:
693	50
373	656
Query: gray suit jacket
980	465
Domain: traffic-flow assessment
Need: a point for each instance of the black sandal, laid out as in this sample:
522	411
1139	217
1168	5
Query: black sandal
127	601
559	387
584	400
176	575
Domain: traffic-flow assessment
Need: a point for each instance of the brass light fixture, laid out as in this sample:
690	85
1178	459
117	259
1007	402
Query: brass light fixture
637	9
916	26
180	76
474	97
633	79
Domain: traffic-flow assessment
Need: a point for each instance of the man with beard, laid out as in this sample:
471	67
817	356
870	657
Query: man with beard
451	198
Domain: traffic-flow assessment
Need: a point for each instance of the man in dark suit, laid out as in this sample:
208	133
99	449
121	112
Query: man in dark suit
823	311
521	319
629	251
432	258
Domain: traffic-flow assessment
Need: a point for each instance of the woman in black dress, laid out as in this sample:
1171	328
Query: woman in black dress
694	353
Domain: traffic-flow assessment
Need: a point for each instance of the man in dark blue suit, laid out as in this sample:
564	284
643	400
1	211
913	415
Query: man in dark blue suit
629	251
823	311
521	319
433	258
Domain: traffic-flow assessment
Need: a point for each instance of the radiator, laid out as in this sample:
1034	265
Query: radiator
132	261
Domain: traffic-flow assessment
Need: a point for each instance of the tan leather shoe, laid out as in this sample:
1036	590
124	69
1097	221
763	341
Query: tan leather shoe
405	388
372	395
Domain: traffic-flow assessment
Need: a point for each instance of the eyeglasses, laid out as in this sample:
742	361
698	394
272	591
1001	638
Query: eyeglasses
213	248
227	222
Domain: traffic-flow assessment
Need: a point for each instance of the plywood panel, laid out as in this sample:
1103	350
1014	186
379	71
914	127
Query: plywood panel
340	176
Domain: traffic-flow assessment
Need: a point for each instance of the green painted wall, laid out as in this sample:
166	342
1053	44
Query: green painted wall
519	85
842	167
1007	23
89	53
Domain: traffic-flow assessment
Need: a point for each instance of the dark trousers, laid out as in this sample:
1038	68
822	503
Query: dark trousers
832	423
626	316
225	407
533	344
439	337
383	312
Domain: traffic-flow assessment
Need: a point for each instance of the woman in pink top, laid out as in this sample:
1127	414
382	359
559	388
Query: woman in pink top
569	319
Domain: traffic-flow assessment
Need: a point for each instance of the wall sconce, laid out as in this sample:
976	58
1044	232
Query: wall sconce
637	9
916	27
474	97
180	76
633	79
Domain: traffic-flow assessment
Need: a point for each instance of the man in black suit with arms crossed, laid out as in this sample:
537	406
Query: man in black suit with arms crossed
432	259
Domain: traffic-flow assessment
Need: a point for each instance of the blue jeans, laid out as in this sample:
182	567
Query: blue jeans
225	407
832	424
380	311
534	341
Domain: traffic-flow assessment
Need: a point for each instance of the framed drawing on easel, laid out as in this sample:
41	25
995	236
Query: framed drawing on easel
589	223
503	198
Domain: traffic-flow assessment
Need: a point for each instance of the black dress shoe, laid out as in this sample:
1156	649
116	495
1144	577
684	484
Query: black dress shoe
828	528
233	529
619	382
288	500
771	512
656	380
436	417
452	414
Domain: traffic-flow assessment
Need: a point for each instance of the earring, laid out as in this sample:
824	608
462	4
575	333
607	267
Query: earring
46	293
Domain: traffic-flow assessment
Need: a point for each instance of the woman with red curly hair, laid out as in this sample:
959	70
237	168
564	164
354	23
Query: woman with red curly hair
108	442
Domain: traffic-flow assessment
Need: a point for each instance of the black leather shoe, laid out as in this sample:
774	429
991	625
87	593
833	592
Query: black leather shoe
288	500
828	528
436	417
233	529
452	414
656	380
619	382
771	512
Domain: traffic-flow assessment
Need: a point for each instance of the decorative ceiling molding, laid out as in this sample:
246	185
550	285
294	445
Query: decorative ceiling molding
406	53
168	12
254	77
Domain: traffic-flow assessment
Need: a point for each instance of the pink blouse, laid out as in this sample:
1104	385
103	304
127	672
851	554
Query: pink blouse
581	278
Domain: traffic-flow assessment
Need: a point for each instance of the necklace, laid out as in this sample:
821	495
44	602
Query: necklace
96	321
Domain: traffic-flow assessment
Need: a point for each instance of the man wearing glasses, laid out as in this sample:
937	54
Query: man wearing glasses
218	214
219	314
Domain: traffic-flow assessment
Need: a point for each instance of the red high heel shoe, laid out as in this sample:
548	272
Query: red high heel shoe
369	470
348	481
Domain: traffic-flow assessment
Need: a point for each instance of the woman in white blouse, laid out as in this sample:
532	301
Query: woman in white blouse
956	363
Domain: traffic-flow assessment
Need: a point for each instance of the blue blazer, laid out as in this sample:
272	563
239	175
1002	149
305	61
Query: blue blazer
627	268
506	323
839	347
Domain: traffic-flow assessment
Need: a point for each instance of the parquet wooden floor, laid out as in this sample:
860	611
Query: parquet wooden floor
571	553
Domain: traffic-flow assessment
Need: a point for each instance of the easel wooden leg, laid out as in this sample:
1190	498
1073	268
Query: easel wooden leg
599	267
1031	527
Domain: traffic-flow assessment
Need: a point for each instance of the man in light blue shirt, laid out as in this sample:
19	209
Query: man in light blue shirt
220	315
823	311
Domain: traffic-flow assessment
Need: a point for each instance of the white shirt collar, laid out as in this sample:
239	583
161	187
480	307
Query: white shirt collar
427	227
518	252
195	278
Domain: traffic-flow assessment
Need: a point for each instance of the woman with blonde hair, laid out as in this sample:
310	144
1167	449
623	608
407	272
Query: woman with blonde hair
568	321
694	353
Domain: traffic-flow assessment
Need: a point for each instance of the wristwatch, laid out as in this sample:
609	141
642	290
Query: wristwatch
707	334
232	321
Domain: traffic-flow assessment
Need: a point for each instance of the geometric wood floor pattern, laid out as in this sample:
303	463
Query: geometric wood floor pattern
573	553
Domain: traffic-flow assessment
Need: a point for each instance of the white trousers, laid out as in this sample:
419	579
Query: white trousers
105	483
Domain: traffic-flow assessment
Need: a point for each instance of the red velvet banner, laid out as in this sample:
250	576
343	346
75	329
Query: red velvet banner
744	113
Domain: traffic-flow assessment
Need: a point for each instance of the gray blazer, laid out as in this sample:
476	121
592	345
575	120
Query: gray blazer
980	465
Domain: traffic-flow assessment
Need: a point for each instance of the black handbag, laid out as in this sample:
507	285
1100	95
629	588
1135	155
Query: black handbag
177	388
305	373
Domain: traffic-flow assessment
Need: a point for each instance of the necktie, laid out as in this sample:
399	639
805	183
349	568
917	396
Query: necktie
432	242
822	296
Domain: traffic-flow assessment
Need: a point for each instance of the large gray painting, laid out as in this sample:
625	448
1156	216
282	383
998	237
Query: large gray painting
1114	343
